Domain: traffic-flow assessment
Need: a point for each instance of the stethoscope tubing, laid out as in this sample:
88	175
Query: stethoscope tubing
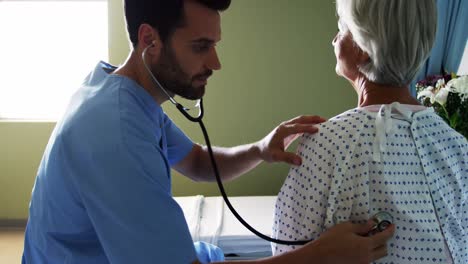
198	120
228	203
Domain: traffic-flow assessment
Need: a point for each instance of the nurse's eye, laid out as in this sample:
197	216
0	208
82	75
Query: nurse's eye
200	48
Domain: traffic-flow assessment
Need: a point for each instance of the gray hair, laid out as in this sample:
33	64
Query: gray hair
398	36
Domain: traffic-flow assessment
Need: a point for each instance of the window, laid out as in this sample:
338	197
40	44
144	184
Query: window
46	50
463	69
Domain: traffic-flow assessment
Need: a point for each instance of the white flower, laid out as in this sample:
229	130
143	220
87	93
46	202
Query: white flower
440	83
427	93
441	96
459	85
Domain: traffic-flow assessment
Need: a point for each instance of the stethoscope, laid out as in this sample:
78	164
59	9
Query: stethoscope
382	219
198	119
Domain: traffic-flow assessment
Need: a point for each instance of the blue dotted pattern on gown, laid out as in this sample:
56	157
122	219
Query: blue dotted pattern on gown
421	181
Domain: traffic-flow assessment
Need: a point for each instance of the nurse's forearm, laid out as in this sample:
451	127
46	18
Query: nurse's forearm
299	256
236	161
232	162
343	243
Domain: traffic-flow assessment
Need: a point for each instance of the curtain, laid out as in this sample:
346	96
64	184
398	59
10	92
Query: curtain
451	39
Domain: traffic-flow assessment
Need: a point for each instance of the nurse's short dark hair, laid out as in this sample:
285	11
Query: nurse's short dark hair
164	15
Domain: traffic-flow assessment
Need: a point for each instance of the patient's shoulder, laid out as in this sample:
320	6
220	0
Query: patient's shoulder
353	118
340	129
336	138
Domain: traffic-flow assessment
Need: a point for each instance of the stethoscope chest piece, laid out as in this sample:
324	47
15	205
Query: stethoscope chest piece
382	221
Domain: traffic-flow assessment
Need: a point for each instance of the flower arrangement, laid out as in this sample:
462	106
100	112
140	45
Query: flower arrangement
448	95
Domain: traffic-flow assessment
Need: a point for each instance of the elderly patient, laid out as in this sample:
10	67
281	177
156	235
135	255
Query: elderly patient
388	154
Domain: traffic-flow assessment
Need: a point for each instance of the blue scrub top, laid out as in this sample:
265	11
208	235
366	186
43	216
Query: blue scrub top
103	189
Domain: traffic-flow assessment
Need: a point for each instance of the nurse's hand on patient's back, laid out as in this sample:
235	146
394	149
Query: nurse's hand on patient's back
272	147
348	243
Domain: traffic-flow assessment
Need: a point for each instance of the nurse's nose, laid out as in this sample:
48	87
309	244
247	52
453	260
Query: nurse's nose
213	62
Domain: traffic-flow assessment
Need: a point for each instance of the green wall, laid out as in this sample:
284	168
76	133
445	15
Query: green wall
277	62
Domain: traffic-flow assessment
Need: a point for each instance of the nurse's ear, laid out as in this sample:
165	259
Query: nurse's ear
148	37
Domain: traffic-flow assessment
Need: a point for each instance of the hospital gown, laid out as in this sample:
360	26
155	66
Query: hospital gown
392	158
103	189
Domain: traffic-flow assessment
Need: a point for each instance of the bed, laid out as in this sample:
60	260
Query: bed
210	220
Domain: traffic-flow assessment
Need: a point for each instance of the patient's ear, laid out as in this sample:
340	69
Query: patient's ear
363	57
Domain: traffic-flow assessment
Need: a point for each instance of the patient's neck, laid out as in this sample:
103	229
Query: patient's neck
371	93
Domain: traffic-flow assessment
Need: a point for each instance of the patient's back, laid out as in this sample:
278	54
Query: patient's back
417	171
